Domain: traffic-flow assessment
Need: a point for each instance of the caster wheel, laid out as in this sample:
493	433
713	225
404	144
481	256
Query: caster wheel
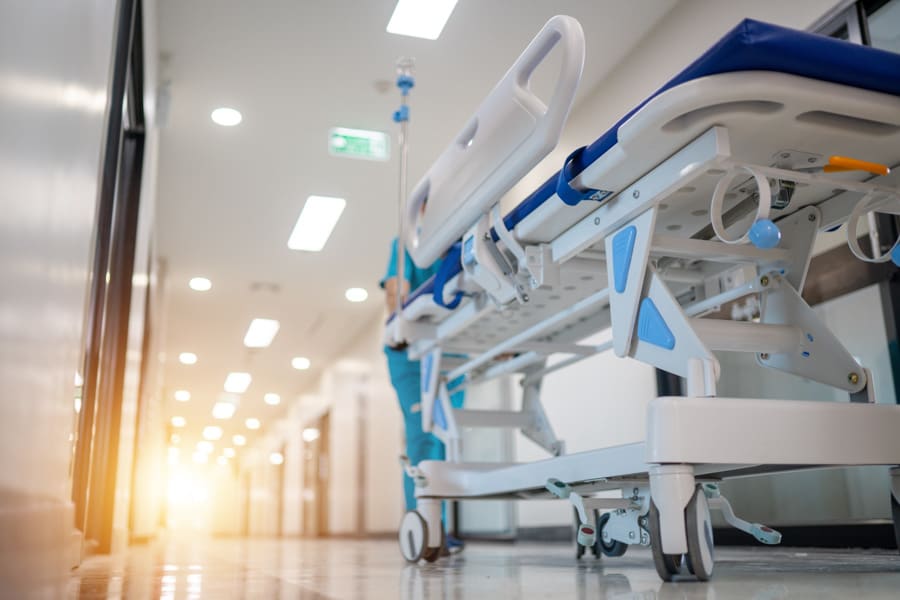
413	537
579	549
612	547
895	511
667	565
700	557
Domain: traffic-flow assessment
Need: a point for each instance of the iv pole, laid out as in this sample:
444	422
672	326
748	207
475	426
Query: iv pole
405	83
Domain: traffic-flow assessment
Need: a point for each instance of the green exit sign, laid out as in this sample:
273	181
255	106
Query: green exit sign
359	143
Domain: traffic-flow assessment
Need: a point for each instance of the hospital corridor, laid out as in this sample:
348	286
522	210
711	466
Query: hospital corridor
446	299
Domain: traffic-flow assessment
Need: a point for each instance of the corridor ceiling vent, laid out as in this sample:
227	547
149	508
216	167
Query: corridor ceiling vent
420	18
316	222
226	117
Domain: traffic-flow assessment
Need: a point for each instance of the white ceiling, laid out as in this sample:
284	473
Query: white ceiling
228	197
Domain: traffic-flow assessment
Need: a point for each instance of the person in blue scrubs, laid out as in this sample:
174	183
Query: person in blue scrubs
406	377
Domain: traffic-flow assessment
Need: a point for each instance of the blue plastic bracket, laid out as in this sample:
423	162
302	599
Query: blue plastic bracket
652	327
566	192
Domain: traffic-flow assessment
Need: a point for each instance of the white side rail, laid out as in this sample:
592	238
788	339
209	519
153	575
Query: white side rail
510	132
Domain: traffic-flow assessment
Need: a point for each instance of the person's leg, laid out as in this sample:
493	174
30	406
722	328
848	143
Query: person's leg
407	389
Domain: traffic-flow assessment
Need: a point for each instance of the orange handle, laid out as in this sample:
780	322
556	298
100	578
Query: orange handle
837	164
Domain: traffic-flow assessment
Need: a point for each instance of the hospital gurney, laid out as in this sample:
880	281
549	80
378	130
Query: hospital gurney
710	191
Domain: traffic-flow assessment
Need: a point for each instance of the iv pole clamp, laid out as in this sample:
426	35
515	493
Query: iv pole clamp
405	82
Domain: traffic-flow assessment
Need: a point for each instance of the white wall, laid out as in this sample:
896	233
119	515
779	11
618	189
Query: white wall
54	66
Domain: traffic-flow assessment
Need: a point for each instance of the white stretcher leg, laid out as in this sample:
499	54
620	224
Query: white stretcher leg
671	488
430	509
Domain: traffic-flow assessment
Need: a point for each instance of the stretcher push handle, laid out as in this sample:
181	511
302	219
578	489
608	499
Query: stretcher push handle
510	132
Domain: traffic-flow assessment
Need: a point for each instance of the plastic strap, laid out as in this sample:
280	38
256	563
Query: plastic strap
862	208
445	272
566	192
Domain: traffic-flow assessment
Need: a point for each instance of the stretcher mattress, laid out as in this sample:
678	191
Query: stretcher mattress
750	46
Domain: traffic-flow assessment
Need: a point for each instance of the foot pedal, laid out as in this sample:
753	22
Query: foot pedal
761	532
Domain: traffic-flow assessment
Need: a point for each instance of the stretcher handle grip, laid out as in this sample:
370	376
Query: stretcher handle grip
566	32
837	164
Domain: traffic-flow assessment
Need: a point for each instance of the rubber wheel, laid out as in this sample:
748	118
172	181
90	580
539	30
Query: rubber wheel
432	554
413	535
895	511
614	547
700	557
667	565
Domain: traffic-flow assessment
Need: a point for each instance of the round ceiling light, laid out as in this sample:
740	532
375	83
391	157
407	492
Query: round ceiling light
300	363
272	399
182	395
356	294
187	358
226	117
200	284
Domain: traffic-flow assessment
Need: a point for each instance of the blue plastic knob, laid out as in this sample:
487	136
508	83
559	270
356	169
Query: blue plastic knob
765	234
401	114
405	83
895	255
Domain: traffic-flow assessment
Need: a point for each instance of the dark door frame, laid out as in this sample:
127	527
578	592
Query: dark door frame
95	462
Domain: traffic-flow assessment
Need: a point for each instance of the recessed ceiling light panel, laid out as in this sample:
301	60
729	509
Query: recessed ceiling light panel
237	383
238	440
178	422
420	18
272	399
356	294
187	358
212	432
226	117
261	333
200	284
252	423
182	395
316	221
301	363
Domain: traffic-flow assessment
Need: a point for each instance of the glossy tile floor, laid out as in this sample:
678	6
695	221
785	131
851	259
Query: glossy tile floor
373	569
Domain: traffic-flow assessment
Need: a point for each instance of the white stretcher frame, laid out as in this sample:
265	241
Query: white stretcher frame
699	438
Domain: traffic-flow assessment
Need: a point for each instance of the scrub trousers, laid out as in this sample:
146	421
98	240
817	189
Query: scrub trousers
420	445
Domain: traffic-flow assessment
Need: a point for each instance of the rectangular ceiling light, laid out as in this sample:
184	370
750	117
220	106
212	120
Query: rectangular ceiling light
420	18
223	410
316	221
237	383
359	143
261	333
